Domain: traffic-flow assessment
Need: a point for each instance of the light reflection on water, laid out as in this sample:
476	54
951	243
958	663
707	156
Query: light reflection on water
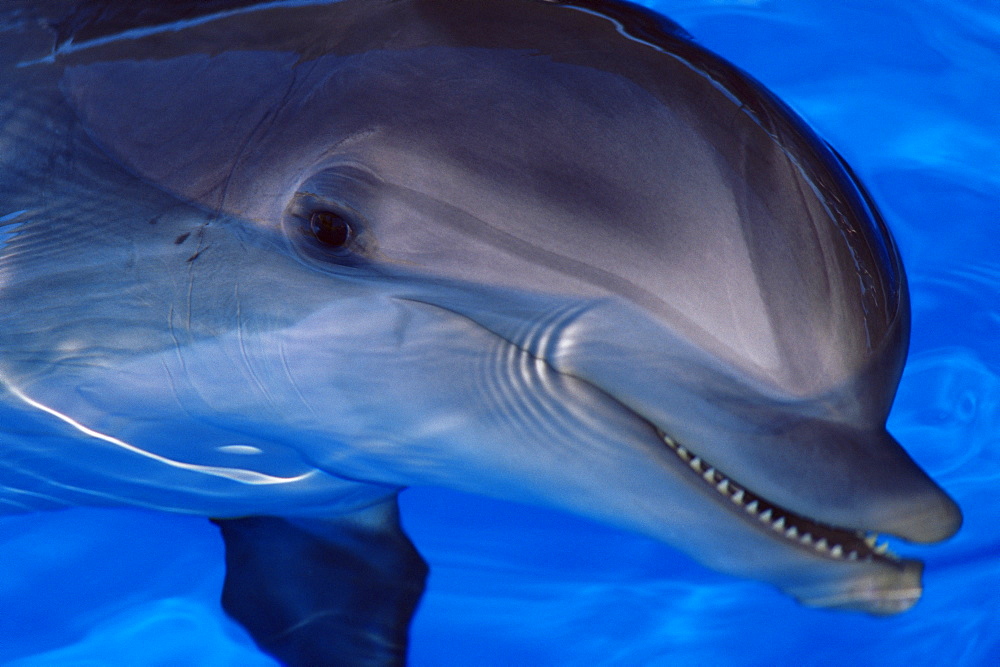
908	91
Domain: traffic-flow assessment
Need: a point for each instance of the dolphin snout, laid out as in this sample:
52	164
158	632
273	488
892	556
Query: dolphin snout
931	518
913	506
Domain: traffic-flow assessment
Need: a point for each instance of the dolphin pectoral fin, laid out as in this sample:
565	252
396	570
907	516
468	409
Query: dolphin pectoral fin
324	591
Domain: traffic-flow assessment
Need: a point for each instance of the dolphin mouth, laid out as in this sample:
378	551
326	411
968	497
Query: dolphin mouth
820	539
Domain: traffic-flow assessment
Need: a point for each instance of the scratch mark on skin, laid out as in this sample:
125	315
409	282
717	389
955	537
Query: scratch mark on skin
190	294
243	350
291	379
173	337
263	125
173	388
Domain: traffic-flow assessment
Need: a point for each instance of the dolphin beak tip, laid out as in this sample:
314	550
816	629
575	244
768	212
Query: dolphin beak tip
938	520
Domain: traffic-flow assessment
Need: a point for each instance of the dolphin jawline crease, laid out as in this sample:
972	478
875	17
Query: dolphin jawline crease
271	263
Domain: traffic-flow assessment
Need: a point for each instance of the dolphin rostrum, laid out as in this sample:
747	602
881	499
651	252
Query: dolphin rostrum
272	262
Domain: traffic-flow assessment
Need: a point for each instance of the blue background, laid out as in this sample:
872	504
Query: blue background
909	92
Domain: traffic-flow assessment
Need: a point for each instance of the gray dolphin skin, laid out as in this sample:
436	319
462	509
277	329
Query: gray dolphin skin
271	263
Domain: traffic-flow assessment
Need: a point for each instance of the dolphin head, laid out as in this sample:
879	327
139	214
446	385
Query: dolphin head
579	262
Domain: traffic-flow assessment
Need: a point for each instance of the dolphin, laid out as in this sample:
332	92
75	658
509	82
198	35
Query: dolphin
273	262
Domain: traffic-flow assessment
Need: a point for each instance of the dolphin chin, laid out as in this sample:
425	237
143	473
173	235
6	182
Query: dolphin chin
271	263
872	594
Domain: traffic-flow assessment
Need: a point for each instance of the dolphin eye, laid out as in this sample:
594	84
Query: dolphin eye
330	229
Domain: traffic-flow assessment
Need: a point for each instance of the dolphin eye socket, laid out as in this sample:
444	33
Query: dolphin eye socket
330	229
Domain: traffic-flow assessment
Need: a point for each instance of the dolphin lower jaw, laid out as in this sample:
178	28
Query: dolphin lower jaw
878	593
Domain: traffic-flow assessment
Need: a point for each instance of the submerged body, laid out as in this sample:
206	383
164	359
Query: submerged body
272	263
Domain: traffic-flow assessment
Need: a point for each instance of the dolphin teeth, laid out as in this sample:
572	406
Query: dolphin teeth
780	524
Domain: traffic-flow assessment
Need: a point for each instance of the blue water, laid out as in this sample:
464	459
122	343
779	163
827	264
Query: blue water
909	92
